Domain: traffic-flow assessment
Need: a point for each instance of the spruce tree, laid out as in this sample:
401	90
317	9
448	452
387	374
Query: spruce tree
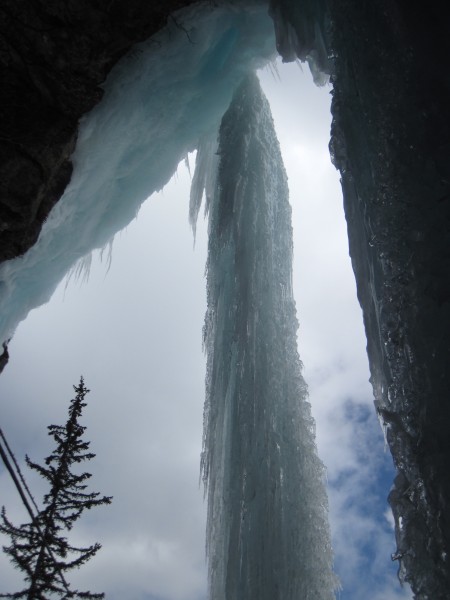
39	548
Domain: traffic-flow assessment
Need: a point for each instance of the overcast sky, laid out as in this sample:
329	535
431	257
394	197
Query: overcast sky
134	332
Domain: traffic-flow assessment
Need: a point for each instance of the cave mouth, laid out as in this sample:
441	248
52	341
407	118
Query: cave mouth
141	319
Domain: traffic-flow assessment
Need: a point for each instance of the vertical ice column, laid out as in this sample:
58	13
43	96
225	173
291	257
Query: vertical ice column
267	531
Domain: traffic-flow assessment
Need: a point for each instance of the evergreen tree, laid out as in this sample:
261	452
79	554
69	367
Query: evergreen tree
39	548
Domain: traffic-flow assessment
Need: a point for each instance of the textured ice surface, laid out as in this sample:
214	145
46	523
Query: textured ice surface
159	101
301	33
267	529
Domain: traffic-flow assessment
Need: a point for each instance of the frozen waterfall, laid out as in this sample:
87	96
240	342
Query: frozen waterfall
267	529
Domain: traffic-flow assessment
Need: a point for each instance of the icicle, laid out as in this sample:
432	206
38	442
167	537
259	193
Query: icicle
267	530
204	178
300	29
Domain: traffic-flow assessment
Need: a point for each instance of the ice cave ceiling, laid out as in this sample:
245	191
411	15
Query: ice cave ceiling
390	139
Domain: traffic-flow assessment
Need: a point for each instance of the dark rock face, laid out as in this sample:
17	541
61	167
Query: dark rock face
53	57
391	143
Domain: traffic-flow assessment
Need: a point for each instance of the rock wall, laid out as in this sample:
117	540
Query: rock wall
391	143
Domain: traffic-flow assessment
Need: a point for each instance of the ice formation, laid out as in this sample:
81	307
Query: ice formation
267	529
301	30
165	96
390	142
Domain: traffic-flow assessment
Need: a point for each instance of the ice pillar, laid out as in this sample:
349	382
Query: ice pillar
267	529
